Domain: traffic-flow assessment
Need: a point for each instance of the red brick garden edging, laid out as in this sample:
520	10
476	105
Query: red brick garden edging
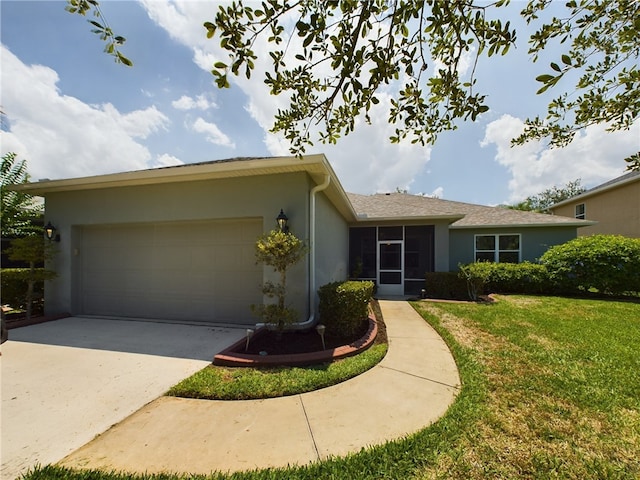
232	356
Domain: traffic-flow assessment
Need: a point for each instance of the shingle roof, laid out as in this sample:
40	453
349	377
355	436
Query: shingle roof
400	205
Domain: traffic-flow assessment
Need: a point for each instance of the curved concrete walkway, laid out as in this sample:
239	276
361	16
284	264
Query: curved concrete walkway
411	388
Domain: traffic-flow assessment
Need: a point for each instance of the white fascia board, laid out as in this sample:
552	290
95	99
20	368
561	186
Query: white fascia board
180	173
584	223
595	191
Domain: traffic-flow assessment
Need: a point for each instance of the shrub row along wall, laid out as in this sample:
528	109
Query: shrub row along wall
603	264
14	285
343	305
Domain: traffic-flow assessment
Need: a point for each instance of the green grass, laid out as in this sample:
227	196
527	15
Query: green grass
219	383
550	389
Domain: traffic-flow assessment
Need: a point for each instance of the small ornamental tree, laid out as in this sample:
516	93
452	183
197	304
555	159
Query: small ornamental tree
279	250
19	211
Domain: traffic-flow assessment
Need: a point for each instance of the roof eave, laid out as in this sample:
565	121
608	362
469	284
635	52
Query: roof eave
595	191
315	165
449	218
584	223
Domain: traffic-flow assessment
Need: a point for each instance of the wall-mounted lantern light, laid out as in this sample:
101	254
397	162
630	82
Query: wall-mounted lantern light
282	220
50	232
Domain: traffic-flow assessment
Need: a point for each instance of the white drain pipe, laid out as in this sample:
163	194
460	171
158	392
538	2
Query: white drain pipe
310	322
312	256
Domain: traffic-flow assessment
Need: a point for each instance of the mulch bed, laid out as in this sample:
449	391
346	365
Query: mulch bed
310	341
277	343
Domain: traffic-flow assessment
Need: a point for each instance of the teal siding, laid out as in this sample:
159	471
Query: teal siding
534	241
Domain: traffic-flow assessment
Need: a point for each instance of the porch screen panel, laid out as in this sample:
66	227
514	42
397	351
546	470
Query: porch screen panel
362	252
418	256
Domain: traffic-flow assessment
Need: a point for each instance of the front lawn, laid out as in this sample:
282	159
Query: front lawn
550	390
220	383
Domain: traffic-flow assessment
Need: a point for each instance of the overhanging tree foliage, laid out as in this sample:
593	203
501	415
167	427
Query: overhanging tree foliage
335	59
351	50
100	27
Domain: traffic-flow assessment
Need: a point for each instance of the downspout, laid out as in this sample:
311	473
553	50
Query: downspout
312	256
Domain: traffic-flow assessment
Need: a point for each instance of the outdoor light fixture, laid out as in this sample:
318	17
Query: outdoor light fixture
282	220
50	232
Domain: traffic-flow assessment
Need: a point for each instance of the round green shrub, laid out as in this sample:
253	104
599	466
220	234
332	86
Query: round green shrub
609	264
343	305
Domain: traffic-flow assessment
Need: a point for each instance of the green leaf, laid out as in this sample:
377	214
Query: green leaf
220	65
308	40
124	60
546	78
543	89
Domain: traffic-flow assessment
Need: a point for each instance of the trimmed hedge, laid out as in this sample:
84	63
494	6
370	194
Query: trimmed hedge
609	264
602	264
14	284
487	277
343	305
445	285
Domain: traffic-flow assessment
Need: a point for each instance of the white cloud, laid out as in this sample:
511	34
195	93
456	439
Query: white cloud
166	160
464	64
366	162
212	133
437	193
201	102
139	123
61	136
594	156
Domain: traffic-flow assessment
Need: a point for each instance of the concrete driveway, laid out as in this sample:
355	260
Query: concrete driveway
66	381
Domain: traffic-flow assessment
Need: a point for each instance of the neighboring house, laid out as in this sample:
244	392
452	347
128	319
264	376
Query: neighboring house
178	242
614	205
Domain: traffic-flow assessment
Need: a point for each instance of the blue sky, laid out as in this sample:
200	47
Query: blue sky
72	111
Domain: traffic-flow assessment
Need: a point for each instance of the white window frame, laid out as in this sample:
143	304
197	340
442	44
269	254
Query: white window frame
583	215
496	251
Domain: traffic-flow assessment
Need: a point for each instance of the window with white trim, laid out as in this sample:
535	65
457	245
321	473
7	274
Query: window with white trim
581	211
504	248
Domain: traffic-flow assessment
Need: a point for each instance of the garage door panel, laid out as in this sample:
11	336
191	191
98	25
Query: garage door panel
228	308
202	256
201	271
173	257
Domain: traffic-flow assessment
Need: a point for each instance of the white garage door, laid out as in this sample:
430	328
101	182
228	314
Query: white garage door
203	271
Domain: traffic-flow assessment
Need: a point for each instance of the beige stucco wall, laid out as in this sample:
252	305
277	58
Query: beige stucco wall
249	197
331	245
617	211
441	246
